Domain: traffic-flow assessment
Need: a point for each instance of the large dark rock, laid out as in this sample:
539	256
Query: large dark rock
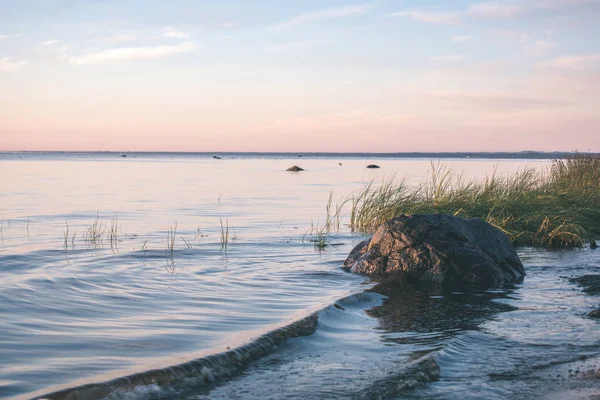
438	249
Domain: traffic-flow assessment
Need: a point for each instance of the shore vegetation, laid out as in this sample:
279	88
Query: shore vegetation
555	207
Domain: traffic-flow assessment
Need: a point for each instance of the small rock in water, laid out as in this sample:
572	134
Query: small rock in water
593	245
295	168
216	157
594	314
372	166
589	283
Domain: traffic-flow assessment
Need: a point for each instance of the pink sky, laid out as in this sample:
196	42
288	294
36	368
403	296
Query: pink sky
493	76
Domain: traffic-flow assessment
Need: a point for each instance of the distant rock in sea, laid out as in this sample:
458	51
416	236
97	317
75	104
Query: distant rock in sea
216	157
373	166
295	168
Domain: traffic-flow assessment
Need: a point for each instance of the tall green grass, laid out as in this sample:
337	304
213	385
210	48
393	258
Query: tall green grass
558	207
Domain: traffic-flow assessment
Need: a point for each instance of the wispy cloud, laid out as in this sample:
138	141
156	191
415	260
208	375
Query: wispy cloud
573	62
447	58
229	25
6	65
175	35
50	42
330	13
461	39
127	54
496	9
2	37
297	45
539	48
500	9
430	17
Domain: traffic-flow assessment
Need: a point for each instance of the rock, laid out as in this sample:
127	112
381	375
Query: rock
594	314
216	157
589	283
373	166
295	168
593	245
440	249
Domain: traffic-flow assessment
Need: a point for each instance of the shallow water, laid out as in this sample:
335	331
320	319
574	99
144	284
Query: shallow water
75	312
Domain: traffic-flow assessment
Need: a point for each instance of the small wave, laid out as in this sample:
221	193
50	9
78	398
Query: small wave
198	372
422	371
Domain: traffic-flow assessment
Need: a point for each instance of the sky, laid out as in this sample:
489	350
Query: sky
299	76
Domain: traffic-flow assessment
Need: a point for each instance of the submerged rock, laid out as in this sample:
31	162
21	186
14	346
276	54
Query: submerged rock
439	249
593	245
295	168
594	314
589	283
372	166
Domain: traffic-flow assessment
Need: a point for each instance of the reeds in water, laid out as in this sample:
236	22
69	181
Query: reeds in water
170	242
94	233
224	233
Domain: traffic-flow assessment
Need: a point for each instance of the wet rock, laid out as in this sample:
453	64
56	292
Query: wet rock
373	166
593	245
440	249
295	168
594	314
216	157
589	283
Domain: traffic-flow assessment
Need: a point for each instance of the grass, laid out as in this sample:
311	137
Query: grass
113	233
224	233
94	233
172	232
558	207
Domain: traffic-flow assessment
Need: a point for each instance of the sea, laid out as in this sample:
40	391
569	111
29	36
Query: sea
199	276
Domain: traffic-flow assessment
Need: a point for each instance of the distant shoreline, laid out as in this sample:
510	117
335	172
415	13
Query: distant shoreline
527	155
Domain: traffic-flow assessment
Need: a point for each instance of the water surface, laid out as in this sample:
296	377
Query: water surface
77	312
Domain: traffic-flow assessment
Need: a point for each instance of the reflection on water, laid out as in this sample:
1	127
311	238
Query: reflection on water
422	308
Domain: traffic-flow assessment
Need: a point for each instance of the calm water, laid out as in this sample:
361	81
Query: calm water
268	316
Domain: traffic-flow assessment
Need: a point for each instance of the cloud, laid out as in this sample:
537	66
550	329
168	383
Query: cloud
461	39
50	42
2	37
229	25
297	45
126	54
447	58
430	17
175	35
6	65
500	9
573	62
539	48
331	13
496	9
